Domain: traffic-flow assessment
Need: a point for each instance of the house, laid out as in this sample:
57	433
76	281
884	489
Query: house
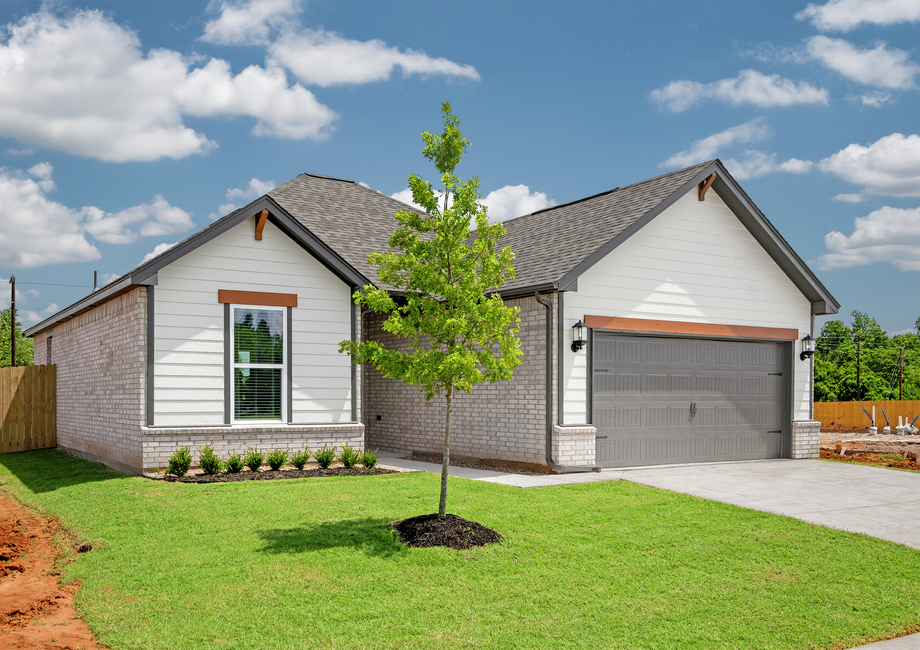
694	309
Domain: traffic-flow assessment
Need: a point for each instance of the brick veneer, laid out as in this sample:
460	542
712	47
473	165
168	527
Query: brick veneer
159	444
501	421
101	380
574	446
806	439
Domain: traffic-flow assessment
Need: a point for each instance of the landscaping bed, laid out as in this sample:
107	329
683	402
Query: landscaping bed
198	476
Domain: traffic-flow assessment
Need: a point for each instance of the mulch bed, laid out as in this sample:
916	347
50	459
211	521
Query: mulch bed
452	531
271	475
438	459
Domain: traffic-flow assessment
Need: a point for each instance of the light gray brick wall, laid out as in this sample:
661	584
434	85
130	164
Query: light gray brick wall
574	446
501	421
159	444
806	439
101	379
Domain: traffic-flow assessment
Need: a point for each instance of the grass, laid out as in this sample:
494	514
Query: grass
311	563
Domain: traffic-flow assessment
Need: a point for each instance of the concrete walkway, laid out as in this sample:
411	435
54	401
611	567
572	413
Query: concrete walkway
879	502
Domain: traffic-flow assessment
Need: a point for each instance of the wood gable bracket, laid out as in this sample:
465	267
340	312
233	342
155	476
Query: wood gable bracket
261	218
705	185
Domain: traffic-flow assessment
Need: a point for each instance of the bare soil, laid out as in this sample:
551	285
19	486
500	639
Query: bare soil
880	450
452	531
36	610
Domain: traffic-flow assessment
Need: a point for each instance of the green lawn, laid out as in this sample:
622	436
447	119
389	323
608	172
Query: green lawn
311	563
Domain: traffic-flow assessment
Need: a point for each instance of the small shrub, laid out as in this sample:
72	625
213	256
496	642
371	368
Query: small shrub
369	459
179	462
276	458
253	459
300	458
208	461
349	457
325	456
234	463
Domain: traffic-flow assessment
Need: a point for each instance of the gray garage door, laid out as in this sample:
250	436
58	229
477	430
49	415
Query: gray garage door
672	400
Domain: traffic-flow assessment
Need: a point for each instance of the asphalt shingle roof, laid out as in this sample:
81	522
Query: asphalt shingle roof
355	221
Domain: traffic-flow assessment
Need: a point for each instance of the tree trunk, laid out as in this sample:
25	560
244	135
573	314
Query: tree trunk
442	505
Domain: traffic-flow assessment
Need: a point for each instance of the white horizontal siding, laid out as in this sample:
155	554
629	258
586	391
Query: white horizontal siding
697	263
189	327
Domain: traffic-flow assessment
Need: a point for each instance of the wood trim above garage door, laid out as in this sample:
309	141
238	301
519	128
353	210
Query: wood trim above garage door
693	329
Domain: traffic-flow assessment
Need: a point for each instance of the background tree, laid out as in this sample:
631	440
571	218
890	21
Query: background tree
24	350
458	334
879	361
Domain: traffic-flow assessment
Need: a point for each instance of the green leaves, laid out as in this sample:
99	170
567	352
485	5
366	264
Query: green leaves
448	266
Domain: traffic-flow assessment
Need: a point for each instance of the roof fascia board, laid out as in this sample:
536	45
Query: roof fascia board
97	297
822	302
567	281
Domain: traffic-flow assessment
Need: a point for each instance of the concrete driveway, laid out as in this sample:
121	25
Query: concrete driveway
883	503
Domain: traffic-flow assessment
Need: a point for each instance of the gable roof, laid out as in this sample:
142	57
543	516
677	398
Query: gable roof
553	247
341	222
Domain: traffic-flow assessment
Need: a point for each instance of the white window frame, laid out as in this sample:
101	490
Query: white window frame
283	366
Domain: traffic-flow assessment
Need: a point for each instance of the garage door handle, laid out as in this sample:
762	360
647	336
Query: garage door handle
777	374
692	410
600	437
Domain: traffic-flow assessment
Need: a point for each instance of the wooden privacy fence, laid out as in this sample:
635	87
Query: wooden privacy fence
850	414
28	408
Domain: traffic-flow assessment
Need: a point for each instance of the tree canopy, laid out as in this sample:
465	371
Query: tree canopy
459	331
879	361
24	349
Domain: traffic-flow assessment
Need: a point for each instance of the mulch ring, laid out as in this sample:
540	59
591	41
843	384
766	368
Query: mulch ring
870	458
271	475
452	531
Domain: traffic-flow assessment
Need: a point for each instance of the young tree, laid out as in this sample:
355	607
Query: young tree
459	335
24	351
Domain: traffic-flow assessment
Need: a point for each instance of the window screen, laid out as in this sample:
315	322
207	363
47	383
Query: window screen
258	363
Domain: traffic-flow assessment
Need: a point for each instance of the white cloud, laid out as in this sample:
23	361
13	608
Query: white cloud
27	317
27	151
327	59
876	67
889	166
249	23
36	231
754	164
109	278
886	235
21	296
844	15
749	87
909	330
513	201
876	99
160	248
848	198
504	203
237	196
83	85
707	148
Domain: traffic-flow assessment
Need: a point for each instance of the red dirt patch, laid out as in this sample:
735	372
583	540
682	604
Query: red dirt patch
36	610
871	459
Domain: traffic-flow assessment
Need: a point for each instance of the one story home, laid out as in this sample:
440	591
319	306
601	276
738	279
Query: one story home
661	322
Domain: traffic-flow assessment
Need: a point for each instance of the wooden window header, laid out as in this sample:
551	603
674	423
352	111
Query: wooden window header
257	298
696	329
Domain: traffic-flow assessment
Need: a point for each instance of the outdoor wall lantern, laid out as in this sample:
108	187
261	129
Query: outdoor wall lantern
579	336
808	347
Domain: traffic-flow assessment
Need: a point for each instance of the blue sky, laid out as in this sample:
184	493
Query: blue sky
127	126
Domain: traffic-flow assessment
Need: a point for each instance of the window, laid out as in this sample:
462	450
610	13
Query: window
258	363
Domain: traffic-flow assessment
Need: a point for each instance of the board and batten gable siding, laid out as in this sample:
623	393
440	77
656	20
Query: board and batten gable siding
697	263
189	327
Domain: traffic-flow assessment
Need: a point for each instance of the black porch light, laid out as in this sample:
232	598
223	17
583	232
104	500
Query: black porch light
808	347
579	336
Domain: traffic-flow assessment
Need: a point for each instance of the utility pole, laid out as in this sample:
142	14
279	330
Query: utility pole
13	322
858	388
901	375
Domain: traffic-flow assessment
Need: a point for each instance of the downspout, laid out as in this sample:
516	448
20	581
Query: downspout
548	400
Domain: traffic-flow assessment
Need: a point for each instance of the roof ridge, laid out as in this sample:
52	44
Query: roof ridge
329	178
624	187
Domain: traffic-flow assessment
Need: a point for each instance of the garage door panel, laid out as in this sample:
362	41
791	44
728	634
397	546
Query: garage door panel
657	400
